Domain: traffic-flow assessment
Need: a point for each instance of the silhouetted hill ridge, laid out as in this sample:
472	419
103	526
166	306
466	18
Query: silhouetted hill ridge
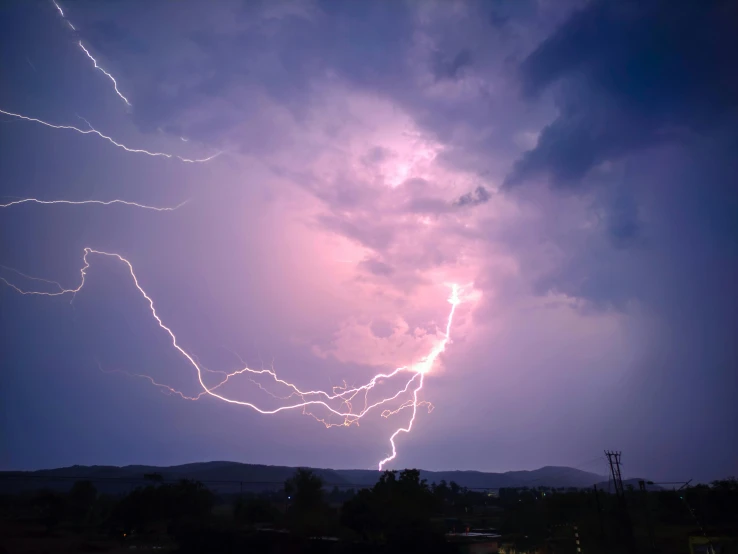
233	476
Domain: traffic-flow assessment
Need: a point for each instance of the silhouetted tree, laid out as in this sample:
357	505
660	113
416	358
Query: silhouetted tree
308	513
51	507
305	490
81	500
186	500
455	488
397	511
255	509
441	491
725	485
189	499
362	514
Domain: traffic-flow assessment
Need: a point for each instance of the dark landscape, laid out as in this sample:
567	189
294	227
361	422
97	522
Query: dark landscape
227	507
229	477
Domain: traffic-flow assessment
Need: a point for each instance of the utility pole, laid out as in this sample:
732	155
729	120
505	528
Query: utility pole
613	459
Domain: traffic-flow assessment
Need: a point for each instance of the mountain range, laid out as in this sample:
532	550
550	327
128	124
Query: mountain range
225	477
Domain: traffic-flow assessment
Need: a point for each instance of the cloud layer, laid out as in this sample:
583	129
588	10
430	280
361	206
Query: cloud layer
570	163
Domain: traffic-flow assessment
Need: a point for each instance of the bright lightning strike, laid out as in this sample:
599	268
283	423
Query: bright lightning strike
94	131
94	61
64	17
115	83
101	202
422	368
338	402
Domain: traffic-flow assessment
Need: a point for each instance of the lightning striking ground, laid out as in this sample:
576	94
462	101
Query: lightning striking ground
345	405
94	61
94	131
425	365
340	397
101	202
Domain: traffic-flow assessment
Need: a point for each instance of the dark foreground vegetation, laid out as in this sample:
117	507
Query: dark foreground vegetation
401	513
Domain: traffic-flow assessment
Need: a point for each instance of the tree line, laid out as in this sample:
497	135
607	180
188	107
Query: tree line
400	513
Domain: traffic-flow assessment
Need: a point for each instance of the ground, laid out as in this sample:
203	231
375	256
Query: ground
23	537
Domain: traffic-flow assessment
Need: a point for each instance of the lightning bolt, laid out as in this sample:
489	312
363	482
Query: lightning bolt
58	285
63	16
101	202
94	61
348	403
115	83
94	131
424	366
304	399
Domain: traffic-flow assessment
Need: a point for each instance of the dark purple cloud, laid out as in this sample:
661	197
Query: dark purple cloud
478	196
634	74
648	106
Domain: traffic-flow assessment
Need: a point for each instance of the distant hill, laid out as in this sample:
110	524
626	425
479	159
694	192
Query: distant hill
228	477
549	476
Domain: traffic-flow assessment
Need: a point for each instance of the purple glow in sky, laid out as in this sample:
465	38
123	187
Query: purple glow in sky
579	188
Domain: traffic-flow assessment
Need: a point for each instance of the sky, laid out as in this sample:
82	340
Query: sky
569	164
